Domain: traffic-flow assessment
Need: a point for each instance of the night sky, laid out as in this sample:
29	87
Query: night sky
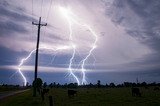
128	45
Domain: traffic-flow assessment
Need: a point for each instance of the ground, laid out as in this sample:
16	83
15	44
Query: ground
87	97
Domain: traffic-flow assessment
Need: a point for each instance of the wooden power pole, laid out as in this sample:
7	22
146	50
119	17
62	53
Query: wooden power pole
37	47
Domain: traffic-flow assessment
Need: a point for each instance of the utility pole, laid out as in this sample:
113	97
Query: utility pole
37	47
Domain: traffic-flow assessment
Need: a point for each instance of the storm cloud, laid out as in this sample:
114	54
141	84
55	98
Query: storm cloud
128	34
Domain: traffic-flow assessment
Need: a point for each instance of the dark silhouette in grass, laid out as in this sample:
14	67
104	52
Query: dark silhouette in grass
43	92
50	101
156	89
136	92
71	92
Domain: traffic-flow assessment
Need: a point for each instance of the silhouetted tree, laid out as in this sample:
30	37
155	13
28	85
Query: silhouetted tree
75	85
120	85
127	84
72	85
153	84
27	84
58	85
54	84
38	84
107	85
134	84
99	83
143	84
90	85
44	84
112	84
51	85
65	85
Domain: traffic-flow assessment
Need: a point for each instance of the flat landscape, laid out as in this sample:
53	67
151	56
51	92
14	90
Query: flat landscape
87	97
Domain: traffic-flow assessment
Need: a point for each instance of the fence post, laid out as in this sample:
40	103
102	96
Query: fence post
50	101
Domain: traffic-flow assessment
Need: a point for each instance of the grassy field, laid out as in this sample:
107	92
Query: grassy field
4	89
87	97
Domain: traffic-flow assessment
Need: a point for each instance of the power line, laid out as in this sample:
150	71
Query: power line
41	8
32	7
32	17
50	7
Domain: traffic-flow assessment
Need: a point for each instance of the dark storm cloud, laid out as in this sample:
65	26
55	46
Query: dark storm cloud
140	18
12	19
9	57
147	12
7	28
16	16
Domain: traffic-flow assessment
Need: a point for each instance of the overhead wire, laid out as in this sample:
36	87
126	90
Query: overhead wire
41	8
46	21
32	17
50	7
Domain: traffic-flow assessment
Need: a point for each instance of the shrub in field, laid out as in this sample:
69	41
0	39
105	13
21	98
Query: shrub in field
38	84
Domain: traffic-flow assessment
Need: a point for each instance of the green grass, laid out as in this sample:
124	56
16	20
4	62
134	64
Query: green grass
5	89
88	97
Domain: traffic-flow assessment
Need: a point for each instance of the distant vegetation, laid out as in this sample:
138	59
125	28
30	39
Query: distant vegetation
99	85
75	85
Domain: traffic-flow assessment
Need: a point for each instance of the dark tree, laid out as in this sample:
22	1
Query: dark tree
27	84
99	83
45	85
143	84
134	84
107	85
58	85
38	84
112	84
127	84
91	85
65	85
54	84
51	85
76	85
72	85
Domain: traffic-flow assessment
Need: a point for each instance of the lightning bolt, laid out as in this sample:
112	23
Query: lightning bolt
70	18
85	59
29	55
70	65
73	47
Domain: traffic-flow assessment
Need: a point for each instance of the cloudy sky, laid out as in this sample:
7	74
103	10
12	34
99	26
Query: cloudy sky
128	40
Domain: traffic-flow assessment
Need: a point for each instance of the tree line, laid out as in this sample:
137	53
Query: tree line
90	85
99	85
